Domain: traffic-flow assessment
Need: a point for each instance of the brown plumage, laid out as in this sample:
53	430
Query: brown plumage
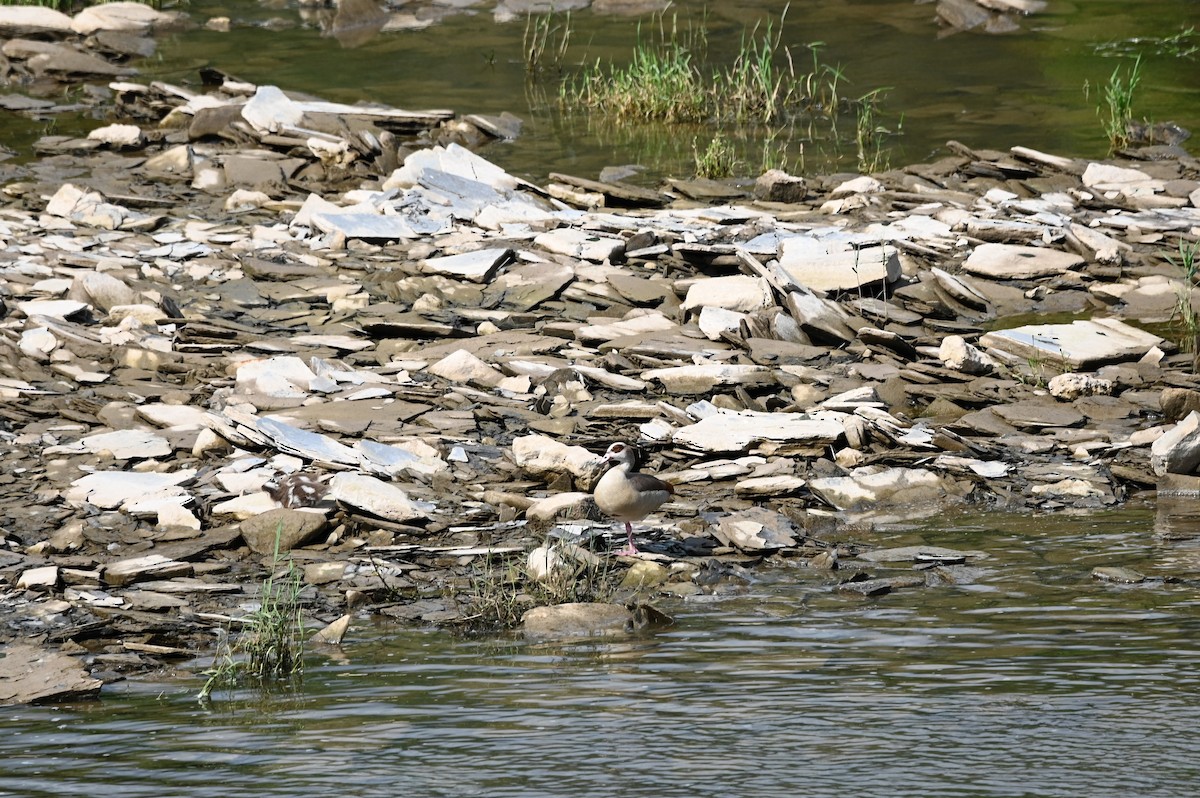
297	490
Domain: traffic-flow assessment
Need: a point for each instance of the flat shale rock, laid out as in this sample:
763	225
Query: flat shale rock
477	266
703	379
150	566
1013	262
32	675
872	488
836	265
29	19
1080	345
374	496
587	620
1178	451
1036	415
739	431
540	455
755	530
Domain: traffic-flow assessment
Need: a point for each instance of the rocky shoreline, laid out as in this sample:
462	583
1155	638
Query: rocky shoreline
237	316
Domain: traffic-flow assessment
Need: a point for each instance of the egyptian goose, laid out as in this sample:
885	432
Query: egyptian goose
628	495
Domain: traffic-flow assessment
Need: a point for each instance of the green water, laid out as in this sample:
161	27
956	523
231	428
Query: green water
1029	677
986	91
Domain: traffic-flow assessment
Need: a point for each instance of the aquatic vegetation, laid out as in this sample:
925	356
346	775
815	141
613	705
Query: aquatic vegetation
1185	259
870	135
769	107
545	43
667	80
1185	317
1116	104
270	646
716	160
1184	44
660	83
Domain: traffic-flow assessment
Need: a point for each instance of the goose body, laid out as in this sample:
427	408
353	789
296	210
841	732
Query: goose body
628	495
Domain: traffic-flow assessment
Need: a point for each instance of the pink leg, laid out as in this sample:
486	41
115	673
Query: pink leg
629	549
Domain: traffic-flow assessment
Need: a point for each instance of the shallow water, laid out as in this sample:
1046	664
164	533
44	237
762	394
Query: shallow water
1033	679
986	91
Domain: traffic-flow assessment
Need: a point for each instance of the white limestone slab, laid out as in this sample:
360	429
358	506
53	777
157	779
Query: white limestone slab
374	496
833	265
477	266
729	431
1014	262
1082	344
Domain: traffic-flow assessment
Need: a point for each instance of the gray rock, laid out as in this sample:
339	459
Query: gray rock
775	185
540	455
875	488
1070	387
1119	574
291	528
120	16
737	292
464	367
150	566
757	529
690	380
477	266
1176	403
102	291
1035	415
577	620
32	675
958	355
30	19
1178	451
61	59
836	265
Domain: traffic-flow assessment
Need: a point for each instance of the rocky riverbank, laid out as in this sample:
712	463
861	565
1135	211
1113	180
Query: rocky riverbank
235	317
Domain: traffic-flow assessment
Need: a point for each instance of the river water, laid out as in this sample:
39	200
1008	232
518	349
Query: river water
1027	678
997	91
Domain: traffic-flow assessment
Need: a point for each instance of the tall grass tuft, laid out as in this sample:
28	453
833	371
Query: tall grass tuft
667	81
717	159
661	83
1116	106
870	135
270	647
545	43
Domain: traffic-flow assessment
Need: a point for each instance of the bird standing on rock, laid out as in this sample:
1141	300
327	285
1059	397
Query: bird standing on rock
628	495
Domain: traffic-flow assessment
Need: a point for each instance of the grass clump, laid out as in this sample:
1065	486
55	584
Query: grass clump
661	83
270	647
1116	104
768	105
498	594
717	160
668	81
545	43
1186	316
870	135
